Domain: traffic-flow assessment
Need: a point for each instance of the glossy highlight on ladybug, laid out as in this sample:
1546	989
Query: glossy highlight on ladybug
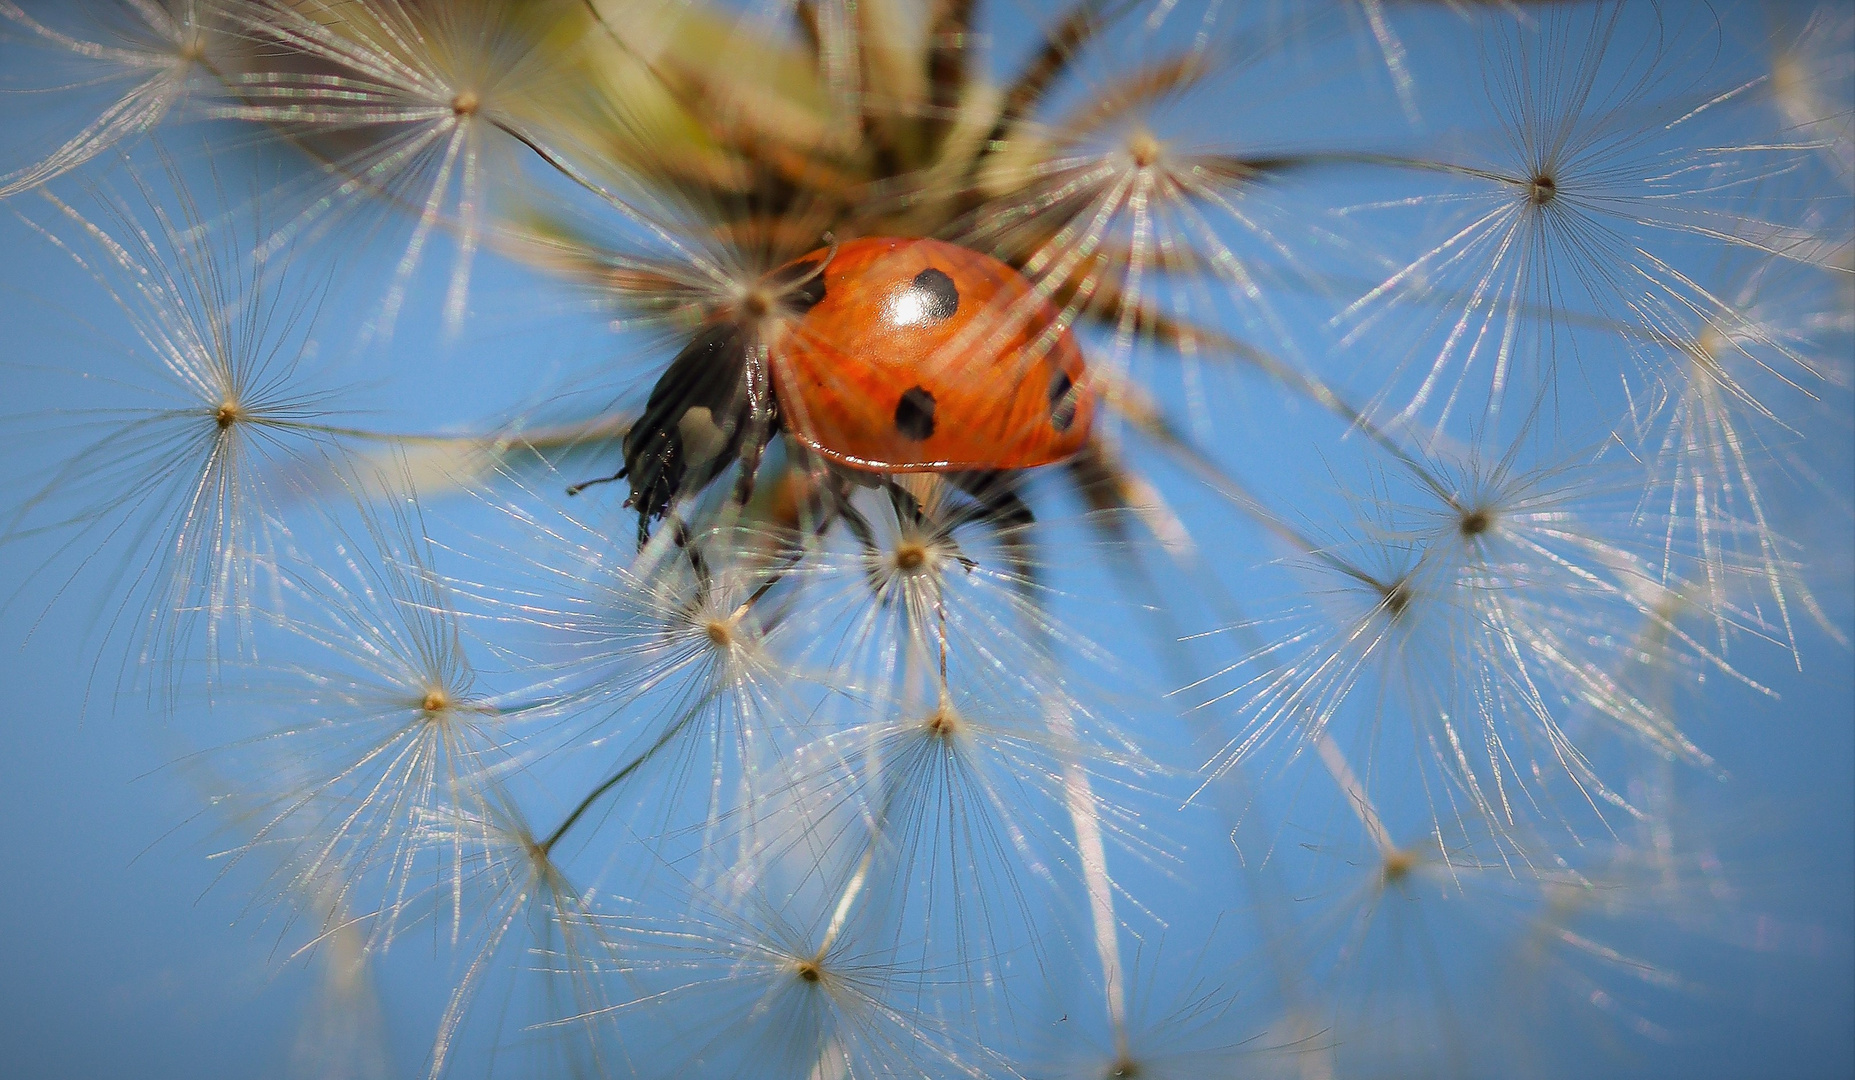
925	356
880	355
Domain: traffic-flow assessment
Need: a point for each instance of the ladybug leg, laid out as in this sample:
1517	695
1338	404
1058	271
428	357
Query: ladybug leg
995	500
761	412
907	507
854	520
698	562
997	504
875	567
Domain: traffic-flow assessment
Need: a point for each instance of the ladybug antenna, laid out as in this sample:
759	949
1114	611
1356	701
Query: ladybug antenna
575	489
829	238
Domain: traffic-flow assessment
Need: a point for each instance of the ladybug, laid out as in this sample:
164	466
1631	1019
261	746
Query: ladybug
880	355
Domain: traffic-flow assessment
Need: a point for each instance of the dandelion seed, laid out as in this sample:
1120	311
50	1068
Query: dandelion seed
953	786
1811	77
674	675
1185	1020
525	906
428	91
1740	368
1481	621
393	731
181	473
164	51
1403	929
966	818
795	989
1132	223
1602	183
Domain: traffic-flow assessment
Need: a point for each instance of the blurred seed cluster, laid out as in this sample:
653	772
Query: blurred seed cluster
1472	442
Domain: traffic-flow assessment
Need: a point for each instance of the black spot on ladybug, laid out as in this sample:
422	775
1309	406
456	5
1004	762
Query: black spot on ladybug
940	297
1063	399
807	293
914	414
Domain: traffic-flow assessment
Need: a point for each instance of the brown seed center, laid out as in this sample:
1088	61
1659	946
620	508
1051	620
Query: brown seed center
942	724
910	555
1144	148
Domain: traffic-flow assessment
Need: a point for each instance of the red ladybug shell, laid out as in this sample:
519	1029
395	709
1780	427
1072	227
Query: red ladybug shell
925	356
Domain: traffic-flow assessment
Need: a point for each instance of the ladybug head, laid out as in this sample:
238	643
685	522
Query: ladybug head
692	423
714	405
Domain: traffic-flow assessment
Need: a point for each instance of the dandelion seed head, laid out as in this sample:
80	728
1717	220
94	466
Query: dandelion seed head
758	303
1399	864
1811	75
183	444
1710	349
168	55
943	723
1542	189
1144	148
720	632
911	556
